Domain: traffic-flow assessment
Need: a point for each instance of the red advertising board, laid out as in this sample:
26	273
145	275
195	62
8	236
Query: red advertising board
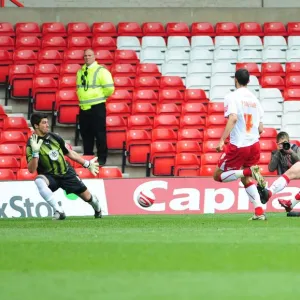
186	196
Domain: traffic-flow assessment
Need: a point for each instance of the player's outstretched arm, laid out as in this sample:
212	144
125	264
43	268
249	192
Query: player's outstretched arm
92	164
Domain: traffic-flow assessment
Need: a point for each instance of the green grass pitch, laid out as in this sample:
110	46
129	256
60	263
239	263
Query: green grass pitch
150	257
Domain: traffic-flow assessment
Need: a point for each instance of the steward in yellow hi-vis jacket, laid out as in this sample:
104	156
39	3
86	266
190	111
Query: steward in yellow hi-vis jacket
94	85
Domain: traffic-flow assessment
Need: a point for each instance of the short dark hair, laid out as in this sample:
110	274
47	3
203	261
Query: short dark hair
282	135
36	118
242	76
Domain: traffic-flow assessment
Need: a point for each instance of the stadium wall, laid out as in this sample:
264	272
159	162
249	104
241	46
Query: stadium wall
193	195
141	15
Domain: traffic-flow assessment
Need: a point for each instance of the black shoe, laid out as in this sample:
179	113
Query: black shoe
263	194
59	216
293	214
98	214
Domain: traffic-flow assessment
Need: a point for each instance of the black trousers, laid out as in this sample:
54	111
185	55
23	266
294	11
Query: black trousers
93	126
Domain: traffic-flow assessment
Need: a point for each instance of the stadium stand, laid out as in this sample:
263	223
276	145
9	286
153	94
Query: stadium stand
166	113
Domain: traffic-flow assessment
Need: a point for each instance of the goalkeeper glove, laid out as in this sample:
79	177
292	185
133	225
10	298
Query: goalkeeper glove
35	145
92	165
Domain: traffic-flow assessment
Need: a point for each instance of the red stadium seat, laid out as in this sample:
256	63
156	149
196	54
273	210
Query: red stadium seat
7	175
138	145
140	122
187	164
292	68
24	175
104	56
74	56
296	142
293	28
207	170
9	162
66	106
153	29
267	145
210	158
16	124
168	108
147	82
43	93
147	69
272	82
292	81
269	133
23	163
25	57
129	29
45	70
54	29
170	96
162	158
189	108
166	121
104	42
7	43
11	150
84	173
192	121
213	133
251	67
164	134
79	42
215	108
172	82
28	42
126	70
214	120
68	69
195	95
20	79
178	29
124	83
109	172
50	57
264	170
272	69
145	96
187	146
251	28
3	116
116	128
13	137
274	28
118	109
120	96
144	108
79	29
209	146
54	43
7	29
291	94
67	82
190	134
6	59
227	29
203	29
104	29
126	57
28	29
265	158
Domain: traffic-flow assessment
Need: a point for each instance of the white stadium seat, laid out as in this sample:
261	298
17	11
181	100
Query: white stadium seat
202	69
225	55
198	82
250	43
128	43
223	68
202	42
218	93
152	56
222	81
250	56
291	106
178	42
203	56
226	42
274	55
292	55
275	42
294	42
173	69
154	42
177	56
